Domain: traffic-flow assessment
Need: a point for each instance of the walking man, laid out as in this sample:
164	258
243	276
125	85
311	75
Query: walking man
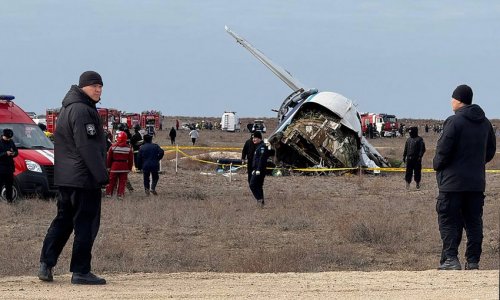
259	164
247	156
467	143
80	172
172	134
8	151
412	156
149	158
194	135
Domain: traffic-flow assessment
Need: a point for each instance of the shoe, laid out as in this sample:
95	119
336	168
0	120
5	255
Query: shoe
471	266
450	264
119	197
147	192
418	185
45	272
154	192
260	203
88	278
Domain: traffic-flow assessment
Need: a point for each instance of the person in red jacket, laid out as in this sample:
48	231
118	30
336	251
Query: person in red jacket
119	162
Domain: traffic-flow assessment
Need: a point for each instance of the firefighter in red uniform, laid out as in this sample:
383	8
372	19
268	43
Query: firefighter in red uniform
119	162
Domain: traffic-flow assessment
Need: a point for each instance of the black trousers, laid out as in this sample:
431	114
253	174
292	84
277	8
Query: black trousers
7	180
136	155
154	176
78	210
413	166
458	211
256	186
249	172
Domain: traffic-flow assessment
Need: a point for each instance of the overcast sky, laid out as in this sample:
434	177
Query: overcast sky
400	57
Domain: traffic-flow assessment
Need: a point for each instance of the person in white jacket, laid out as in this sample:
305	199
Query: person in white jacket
194	135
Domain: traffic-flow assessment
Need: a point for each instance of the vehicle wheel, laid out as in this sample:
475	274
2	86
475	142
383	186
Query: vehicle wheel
15	193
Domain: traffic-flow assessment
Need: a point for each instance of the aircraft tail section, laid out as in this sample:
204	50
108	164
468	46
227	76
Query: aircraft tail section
282	74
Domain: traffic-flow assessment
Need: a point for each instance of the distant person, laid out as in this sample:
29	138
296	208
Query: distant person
247	156
119	161
463	149
194	135
80	172
136	142
177	124
412	156
8	151
149	158
172	134
259	163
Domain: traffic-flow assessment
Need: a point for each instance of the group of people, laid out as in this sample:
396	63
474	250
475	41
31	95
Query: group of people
466	145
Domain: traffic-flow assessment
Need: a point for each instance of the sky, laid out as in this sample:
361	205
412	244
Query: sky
397	57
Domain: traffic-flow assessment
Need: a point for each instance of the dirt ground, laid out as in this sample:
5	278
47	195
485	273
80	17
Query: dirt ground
328	285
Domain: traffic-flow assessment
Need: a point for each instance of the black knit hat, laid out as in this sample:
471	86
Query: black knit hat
89	78
463	93
257	134
8	133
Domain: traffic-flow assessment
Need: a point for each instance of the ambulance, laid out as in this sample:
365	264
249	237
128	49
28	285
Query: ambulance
34	166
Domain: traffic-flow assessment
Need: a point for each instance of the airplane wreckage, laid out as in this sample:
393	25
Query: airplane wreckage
316	129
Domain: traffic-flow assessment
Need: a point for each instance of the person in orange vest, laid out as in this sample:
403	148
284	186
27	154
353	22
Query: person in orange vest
119	162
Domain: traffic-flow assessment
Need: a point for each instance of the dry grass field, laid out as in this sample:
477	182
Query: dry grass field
207	222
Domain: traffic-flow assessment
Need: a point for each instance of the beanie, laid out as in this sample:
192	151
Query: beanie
463	93
257	134
89	78
8	133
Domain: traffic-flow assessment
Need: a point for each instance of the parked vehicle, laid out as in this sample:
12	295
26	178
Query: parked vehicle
230	121
258	125
384	124
34	166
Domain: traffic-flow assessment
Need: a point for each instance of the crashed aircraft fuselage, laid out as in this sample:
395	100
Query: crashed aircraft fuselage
316	129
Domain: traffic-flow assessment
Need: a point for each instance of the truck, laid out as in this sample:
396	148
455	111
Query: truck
131	119
230	121
151	119
385	125
34	166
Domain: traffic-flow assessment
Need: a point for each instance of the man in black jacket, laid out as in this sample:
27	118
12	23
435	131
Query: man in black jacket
467	143
8	151
259	164
412	156
247	156
80	172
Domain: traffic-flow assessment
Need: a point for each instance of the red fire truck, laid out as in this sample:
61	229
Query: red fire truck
151	119
383	124
131	119
51	117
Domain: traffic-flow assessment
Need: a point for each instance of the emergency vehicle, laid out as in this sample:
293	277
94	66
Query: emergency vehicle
51	119
384	124
151	120
34	166
230	121
131	119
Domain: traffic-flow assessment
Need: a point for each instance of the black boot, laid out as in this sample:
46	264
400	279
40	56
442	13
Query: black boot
450	264
45	272
88	278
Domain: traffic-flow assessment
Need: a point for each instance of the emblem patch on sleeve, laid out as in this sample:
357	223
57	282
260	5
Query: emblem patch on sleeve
91	131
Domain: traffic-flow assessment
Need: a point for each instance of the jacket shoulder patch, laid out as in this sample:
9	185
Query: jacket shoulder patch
91	131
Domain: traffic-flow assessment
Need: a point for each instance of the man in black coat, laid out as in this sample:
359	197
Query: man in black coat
247	155
149	159
80	172
467	143
136	142
8	151
259	164
412	156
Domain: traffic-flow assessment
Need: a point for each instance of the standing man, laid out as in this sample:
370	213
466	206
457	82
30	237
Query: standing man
172	134
465	146
259	163
136	142
247	155
80	172
412	156
8	151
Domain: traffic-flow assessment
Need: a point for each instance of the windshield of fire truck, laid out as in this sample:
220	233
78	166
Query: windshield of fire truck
28	136
391	119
